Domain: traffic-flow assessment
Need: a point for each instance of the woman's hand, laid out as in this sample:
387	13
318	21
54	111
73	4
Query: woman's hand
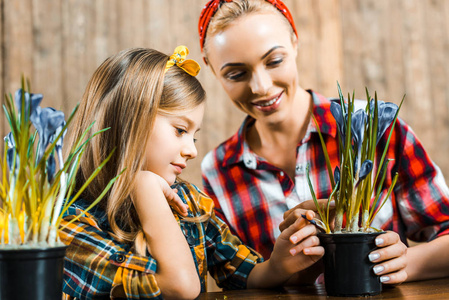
390	258
147	178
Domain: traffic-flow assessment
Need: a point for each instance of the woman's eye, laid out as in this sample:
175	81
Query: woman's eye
235	75
275	62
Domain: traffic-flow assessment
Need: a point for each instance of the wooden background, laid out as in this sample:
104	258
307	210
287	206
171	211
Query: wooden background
393	46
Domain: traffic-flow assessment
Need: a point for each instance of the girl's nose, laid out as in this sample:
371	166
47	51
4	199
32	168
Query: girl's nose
189	150
260	82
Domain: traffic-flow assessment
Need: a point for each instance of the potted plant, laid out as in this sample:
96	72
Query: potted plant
36	188
356	190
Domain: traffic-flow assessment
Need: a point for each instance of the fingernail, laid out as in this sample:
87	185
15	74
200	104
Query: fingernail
379	241
332	203
378	269
306	251
373	256
320	279
294	239
292	251
384	279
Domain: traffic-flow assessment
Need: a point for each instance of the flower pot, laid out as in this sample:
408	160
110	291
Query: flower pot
31	273
347	269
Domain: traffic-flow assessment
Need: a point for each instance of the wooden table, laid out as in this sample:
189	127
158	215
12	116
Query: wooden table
437	289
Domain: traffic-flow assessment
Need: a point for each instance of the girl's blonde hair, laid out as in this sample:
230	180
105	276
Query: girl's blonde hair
229	12
125	94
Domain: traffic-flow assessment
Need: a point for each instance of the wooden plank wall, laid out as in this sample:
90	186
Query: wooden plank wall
395	47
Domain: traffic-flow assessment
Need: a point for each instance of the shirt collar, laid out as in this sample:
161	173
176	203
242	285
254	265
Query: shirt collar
323	115
236	145
96	212
237	149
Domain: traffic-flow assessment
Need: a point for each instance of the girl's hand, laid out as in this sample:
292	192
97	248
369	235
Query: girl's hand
390	259
291	215
147	178
297	248
164	239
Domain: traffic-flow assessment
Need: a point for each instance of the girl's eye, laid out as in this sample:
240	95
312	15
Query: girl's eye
180	131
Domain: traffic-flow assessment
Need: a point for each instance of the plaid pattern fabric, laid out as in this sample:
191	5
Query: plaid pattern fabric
96	264
251	194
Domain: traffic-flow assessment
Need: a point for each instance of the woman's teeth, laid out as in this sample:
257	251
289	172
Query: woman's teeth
271	102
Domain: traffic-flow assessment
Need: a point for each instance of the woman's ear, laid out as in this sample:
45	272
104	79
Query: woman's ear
206	61
295	44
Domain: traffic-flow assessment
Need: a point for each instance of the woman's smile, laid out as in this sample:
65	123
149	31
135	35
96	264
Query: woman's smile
269	105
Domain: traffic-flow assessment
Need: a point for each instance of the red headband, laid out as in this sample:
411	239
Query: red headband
212	6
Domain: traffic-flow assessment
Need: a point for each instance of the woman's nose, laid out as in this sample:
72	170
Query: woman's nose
260	82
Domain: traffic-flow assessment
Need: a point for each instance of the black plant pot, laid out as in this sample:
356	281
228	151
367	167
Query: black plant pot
347	269
31	273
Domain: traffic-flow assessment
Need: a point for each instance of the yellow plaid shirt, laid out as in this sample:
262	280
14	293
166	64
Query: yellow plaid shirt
96	265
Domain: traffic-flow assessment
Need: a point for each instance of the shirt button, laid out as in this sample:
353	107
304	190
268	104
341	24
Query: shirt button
191	240
299	168
120	258
249	161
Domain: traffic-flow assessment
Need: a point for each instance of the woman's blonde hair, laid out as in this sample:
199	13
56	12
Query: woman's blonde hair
229	12
125	94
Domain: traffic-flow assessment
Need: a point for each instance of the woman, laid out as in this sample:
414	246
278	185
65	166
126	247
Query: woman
257	177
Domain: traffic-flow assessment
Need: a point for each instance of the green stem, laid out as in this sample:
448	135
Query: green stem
365	220
338	220
355	222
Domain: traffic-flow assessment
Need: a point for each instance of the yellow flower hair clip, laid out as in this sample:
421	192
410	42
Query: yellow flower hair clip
179	58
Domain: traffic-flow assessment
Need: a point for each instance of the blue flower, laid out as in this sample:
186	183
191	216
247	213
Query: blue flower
58	130
35	100
9	139
386	114
11	152
46	120
337	175
340	118
59	143
51	167
365	169
358	128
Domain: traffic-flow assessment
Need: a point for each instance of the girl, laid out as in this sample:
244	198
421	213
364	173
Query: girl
155	236
257	178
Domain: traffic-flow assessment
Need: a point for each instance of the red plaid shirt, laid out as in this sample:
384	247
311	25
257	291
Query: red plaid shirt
251	194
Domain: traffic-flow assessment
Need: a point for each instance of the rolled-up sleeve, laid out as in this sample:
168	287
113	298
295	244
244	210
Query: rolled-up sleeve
229	261
422	193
